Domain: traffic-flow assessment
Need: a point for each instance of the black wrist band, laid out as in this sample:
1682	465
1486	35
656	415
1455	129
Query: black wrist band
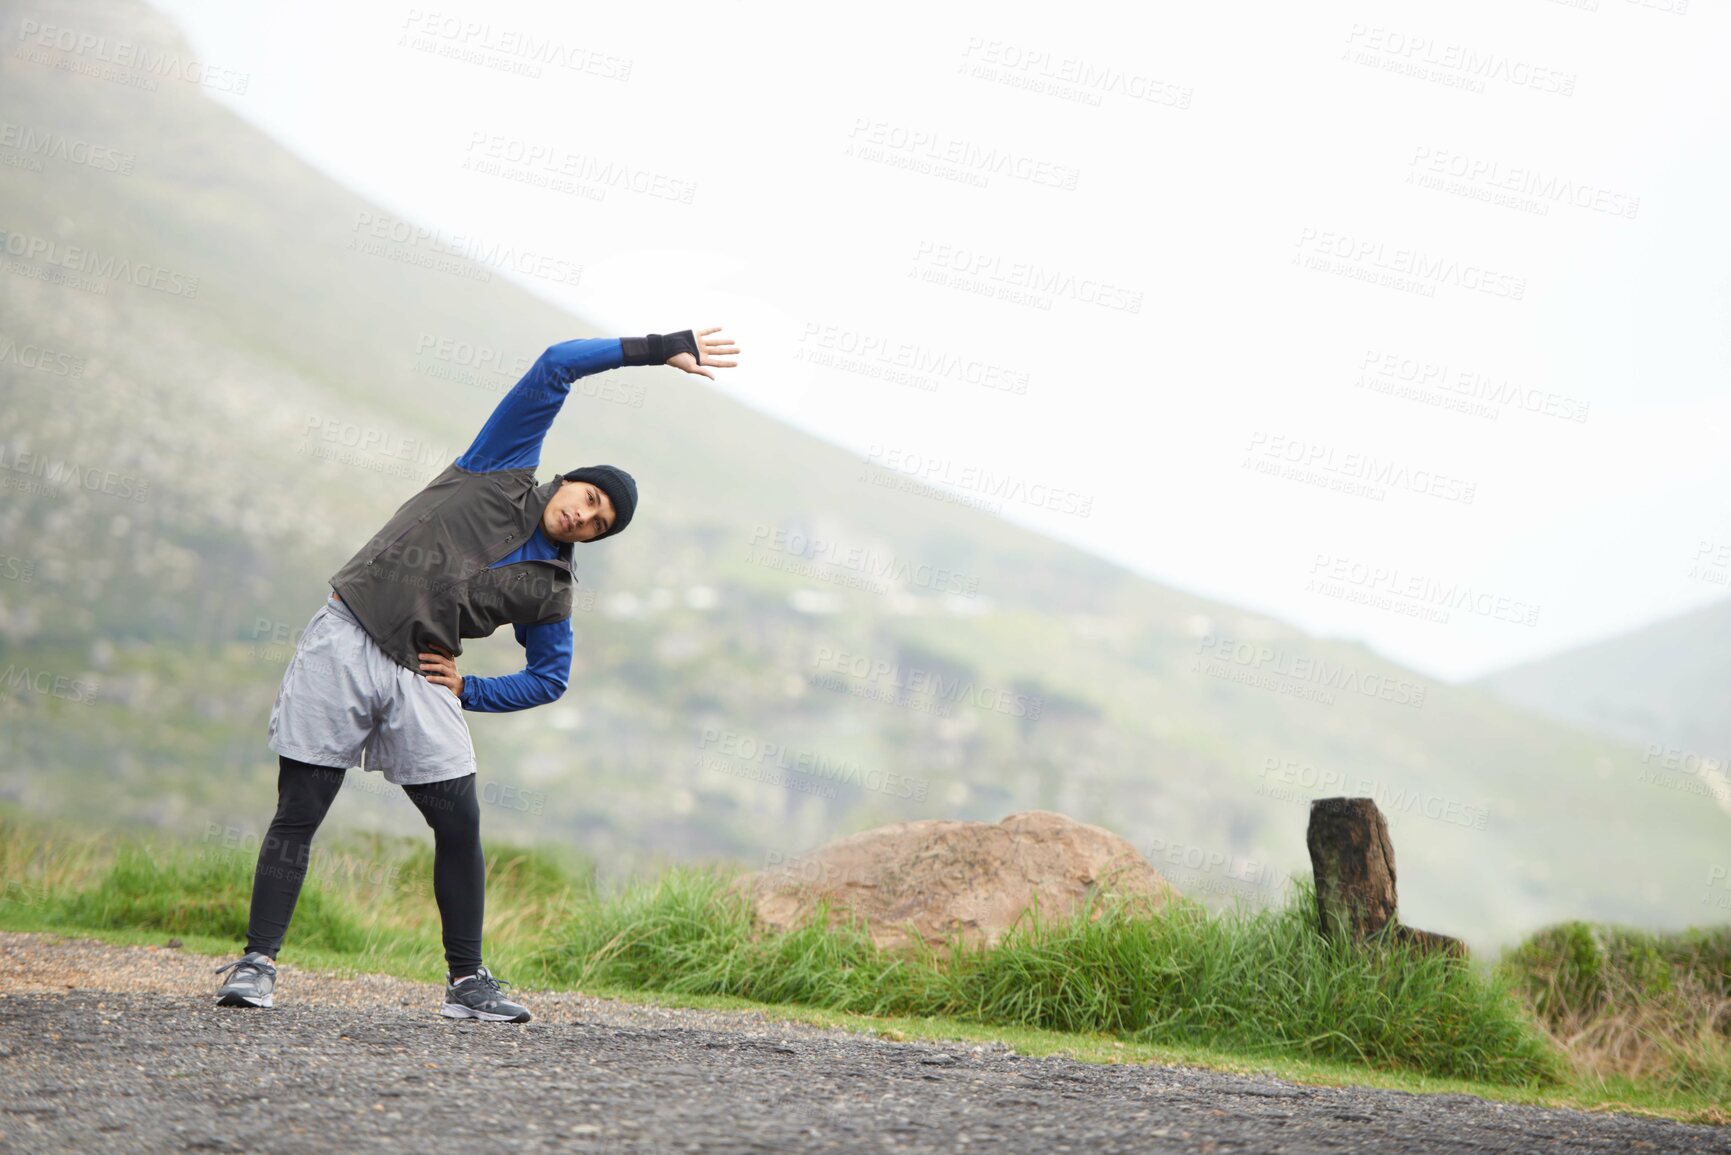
659	348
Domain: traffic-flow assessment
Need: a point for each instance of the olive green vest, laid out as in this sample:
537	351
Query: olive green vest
425	582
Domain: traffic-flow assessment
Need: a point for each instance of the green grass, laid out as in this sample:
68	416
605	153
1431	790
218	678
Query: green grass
1244	990
1633	1005
1262	983
366	903
203	895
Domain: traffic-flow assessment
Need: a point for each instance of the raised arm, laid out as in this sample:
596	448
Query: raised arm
512	436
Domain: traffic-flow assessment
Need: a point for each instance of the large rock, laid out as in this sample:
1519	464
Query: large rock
938	879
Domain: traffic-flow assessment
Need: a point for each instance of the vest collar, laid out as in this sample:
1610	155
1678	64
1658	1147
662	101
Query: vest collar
544	494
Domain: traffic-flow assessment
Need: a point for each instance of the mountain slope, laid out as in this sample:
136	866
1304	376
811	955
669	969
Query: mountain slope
1662	688
730	696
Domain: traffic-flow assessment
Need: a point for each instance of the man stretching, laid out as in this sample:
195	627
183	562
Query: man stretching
374	682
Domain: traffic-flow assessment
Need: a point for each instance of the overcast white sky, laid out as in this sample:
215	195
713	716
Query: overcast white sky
1212	154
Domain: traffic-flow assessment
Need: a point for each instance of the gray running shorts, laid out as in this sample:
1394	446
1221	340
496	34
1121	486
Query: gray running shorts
344	703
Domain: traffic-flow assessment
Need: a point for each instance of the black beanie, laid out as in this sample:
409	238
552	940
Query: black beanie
619	487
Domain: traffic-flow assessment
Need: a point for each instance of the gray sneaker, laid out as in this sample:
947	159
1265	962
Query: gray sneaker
480	998
251	984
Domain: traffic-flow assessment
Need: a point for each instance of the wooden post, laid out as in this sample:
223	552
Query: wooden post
1352	861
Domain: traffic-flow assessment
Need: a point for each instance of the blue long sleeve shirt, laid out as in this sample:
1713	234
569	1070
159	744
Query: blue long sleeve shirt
511	439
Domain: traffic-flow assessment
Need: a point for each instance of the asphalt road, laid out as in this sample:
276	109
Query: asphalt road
88	1070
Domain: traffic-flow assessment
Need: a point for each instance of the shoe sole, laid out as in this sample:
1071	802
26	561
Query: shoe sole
458	1011
232	999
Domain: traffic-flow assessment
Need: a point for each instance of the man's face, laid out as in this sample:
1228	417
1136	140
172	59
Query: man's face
578	511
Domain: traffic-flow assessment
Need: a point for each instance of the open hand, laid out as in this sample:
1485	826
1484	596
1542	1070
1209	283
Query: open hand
441	670
713	351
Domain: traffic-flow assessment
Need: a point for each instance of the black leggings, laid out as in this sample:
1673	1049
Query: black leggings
305	792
